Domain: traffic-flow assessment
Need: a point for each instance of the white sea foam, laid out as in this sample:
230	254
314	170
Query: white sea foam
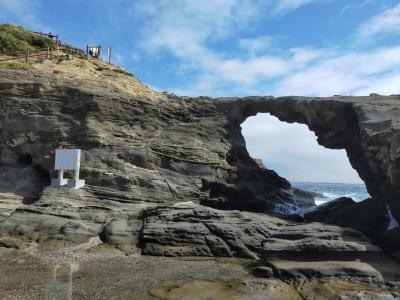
328	192
330	195
319	202
331	191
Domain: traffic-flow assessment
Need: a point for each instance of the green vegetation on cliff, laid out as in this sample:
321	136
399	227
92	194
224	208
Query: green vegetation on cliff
17	38
15	65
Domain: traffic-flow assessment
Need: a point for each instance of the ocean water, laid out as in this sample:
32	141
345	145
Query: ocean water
331	191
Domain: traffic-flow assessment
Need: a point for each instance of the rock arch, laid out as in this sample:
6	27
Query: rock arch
293	150
366	127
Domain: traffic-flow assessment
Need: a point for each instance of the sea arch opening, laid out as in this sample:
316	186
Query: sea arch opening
293	152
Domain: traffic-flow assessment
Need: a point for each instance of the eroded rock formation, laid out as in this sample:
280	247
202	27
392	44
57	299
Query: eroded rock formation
170	175
368	128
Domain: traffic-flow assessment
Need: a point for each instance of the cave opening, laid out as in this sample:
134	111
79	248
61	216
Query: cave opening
21	181
293	152
24	160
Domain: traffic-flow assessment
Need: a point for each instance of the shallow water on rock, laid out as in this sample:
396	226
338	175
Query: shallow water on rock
106	273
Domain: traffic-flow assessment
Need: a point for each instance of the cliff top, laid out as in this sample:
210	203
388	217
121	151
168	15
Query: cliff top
62	68
16	38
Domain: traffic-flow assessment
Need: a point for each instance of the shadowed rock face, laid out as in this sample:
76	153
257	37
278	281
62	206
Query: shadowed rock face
161	149
166	175
368	128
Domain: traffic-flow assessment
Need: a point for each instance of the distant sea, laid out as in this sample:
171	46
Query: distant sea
332	191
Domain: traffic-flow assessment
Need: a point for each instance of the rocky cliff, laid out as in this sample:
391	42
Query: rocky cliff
368	128
171	176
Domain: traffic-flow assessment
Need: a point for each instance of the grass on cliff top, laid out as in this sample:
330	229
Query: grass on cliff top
15	65
122	71
100	66
15	38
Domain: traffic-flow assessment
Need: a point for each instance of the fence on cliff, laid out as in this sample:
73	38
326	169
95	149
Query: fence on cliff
44	53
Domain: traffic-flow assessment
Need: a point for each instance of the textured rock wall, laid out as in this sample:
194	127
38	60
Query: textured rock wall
156	151
368	128
153	163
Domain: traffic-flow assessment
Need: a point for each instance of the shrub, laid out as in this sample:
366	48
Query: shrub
12	44
122	71
17	38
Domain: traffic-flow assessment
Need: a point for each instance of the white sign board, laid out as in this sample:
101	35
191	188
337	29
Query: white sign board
67	159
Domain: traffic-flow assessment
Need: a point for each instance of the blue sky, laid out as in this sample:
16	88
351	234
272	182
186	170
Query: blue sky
237	48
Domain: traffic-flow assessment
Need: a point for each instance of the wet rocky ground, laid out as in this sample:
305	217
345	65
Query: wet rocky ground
97	271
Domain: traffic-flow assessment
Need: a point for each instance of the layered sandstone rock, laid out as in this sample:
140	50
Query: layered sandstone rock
171	176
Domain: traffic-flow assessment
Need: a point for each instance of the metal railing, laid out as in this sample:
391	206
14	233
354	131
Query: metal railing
71	50
44	53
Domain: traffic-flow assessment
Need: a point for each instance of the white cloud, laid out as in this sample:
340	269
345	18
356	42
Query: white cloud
366	2
285	6
344	9
357	73
308	72
26	11
386	22
174	23
187	30
249	71
256	45
12	5
189	24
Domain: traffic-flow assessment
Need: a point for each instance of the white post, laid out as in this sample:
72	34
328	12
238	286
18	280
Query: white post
78	165
60	172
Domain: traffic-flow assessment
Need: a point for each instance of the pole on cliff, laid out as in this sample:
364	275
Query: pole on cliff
109	52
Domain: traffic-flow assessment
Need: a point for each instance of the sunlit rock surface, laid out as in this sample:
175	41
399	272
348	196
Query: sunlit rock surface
171	176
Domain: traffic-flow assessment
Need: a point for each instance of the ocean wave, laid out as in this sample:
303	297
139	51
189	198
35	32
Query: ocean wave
319	202
332	191
330	195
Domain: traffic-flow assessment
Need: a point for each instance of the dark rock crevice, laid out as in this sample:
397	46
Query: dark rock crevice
19	176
